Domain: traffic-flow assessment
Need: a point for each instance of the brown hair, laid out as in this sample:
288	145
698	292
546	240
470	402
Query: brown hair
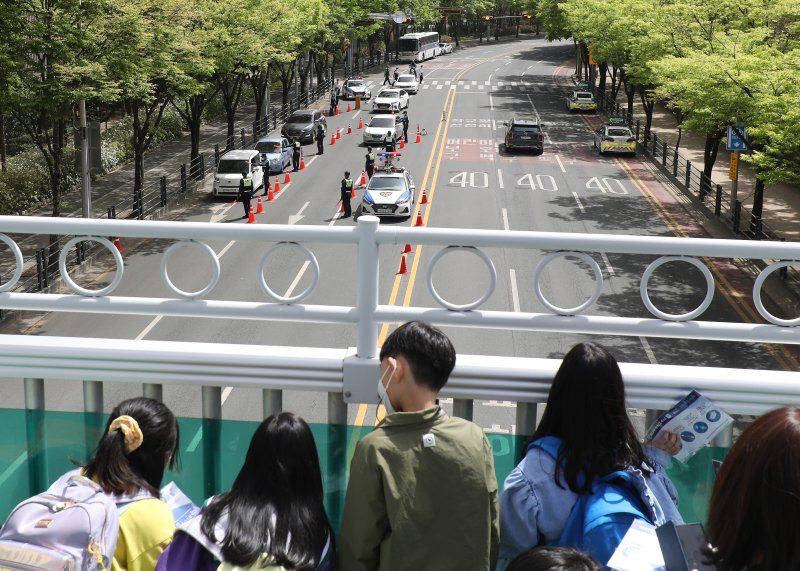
755	506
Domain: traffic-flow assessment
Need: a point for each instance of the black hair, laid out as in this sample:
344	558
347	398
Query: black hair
346	173
554	559
277	495
429	353
586	410
120	472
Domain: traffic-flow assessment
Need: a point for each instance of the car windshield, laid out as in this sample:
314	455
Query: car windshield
390	94
268	147
382	122
232	166
583	95
405	78
617	132
386	183
355	84
301	118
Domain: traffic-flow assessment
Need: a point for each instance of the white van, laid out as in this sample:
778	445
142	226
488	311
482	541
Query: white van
230	168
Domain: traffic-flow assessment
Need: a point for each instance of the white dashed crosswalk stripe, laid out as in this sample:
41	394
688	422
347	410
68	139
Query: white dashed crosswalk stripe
481	87
474	82
467	86
439	86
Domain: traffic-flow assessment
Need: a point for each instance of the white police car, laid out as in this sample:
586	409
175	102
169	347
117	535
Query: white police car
390	192
356	87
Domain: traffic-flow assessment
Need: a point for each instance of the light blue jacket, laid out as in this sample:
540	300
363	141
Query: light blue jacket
534	509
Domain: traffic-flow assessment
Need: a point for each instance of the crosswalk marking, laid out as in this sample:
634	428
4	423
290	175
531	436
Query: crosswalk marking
481	87
467	87
439	86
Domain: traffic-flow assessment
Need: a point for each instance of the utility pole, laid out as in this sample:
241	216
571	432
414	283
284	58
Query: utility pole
86	183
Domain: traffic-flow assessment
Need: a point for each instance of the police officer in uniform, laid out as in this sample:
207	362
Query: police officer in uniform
347	190
296	154
388	141
405	125
369	166
386	75
320	135
246	192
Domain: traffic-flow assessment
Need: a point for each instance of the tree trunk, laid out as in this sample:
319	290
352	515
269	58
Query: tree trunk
57	182
758	208
231	95
2	142
648	103
603	72
146	119
710	152
259	82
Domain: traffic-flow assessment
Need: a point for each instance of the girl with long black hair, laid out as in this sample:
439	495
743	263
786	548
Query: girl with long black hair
587	420
273	516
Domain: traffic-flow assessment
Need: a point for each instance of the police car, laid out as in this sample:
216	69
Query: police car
581	100
615	137
390	191
355	86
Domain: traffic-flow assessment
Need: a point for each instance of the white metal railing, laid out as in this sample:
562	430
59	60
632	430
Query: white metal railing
352	371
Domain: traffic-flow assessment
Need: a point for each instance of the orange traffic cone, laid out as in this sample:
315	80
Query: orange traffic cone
341	207
287	178
260	208
403	270
424	199
118	245
333	139
402	144
407	249
349	130
277	185
419	136
337	110
419	219
360	123
353	192
338	133
348	108
302	162
252	218
363	180
270	194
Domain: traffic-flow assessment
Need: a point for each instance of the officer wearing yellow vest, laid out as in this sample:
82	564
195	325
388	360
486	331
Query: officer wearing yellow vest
388	141
296	154
369	166
347	190
246	192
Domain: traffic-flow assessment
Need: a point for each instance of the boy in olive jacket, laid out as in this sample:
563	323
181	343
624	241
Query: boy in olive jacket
422	492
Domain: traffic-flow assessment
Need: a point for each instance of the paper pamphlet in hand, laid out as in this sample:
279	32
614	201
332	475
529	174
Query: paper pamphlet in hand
695	419
183	509
639	550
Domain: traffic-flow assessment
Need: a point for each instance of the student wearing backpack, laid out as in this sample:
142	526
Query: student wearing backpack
605	479
272	518
107	514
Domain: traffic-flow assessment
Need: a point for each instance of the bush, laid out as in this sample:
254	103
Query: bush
26	182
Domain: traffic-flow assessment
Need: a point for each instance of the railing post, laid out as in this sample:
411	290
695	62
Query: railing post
36	435
737	216
701	194
688	174
40	268
367	289
675	163
756	225
163	182
463	408
216	155
272	400
211	434
243	137
183	177
718	201
256	130
655	144
525	424
664	154
638	127
93	413
153	391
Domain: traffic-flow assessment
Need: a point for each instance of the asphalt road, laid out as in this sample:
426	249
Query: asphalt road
470	182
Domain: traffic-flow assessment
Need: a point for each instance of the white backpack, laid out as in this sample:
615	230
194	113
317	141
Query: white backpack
71	527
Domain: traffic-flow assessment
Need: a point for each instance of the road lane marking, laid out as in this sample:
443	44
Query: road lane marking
295	218
491	102
506	227
607	262
578	200
149	327
500	178
514	291
560	164
15	465
648	351
227	247
297	278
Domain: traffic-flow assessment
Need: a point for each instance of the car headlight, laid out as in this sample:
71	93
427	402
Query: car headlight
404	198
368	198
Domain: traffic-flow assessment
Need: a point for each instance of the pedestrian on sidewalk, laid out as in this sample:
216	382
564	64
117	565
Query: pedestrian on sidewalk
246	192
386	76
346	192
296	150
320	136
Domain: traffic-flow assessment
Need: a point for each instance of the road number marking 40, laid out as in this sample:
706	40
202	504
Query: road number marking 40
542	182
471	179
604	185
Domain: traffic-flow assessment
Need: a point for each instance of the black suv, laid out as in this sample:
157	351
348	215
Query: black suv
524	134
302	124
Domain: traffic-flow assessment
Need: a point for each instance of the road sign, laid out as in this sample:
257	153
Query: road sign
734	168
734	141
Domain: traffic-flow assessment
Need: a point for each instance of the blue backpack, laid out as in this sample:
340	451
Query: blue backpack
599	520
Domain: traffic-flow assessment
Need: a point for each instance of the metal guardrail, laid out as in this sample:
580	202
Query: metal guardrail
352	371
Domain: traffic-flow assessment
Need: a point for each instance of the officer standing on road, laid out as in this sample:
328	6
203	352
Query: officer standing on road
412	68
296	154
420	73
405	125
369	166
388	142
347	190
334	103
386	76
246	192
396	75
320	135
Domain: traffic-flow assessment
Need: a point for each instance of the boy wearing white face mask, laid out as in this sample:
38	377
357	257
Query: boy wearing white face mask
422	492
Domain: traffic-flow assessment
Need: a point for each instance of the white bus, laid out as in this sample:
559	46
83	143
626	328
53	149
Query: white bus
419	46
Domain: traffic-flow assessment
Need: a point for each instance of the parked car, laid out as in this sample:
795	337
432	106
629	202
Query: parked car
276	153
522	134
302	124
445	48
379	125
230	168
407	82
390	99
